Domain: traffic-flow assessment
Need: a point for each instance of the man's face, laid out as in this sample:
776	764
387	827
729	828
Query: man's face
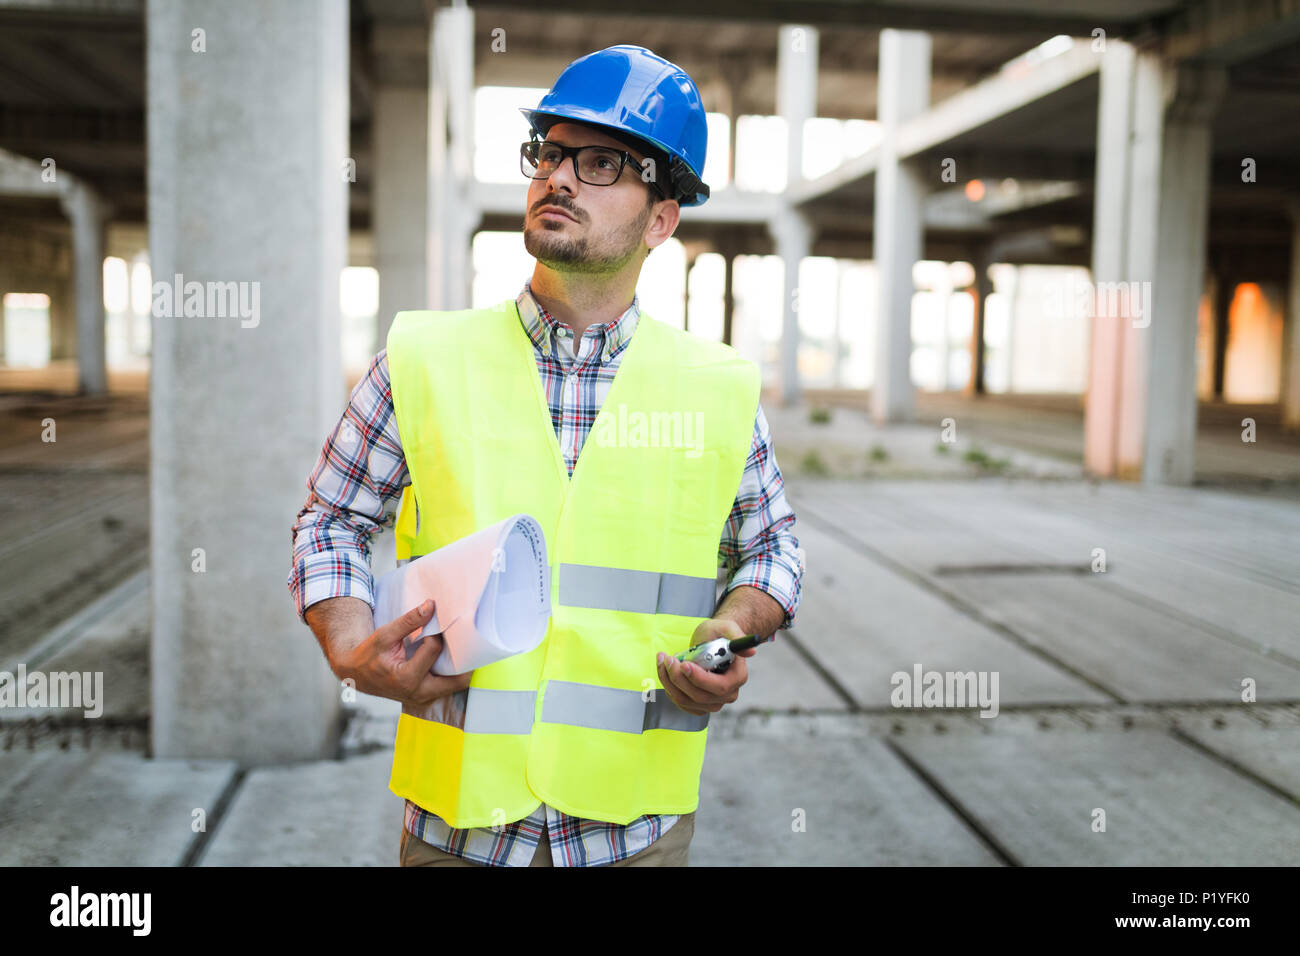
608	223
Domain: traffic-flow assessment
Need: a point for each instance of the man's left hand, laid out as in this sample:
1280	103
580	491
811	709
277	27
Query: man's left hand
696	690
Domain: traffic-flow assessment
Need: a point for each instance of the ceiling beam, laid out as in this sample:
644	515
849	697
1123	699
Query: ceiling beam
1041	21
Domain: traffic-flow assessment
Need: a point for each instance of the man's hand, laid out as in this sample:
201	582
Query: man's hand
378	665
696	690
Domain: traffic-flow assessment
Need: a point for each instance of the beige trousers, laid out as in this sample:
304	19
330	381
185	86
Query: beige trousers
671	849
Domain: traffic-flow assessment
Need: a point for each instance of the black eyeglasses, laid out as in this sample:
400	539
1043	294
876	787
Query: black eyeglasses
594	165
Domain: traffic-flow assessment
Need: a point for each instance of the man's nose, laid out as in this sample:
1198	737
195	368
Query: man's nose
565	176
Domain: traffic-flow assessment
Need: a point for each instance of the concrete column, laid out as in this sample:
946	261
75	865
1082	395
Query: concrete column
1179	277
796	102
1291	338
836	340
903	92
400	195
87	213
247	143
1151	191
63	319
981	291
728	292
1109	335
136	346
1224	288
453	216
1017	298
733	125
734	73
686	294
792	233
943	291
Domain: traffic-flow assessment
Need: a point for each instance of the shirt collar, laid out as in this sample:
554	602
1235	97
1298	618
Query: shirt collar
541	326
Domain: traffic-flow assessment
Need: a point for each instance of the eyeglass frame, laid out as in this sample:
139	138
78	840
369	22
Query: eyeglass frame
571	152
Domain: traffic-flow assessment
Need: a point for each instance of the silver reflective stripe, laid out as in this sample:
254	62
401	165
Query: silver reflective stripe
646	592
500	711
449	710
662	714
478	710
608	708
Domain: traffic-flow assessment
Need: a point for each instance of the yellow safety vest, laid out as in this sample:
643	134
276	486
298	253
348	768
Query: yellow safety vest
581	722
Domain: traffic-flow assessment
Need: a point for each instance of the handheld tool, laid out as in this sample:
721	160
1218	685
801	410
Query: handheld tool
716	655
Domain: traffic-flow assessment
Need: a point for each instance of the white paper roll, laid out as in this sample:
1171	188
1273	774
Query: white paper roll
492	587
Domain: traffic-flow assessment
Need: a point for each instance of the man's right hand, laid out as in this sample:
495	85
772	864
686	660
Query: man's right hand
378	665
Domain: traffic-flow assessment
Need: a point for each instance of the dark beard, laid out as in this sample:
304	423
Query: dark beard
574	255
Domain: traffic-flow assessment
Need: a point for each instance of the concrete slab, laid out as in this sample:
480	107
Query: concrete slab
102	809
116	645
862	807
780	679
1166	803
57	558
1272	753
843	447
1231	563
903	530
864	623
1249	537
322	813
1137	652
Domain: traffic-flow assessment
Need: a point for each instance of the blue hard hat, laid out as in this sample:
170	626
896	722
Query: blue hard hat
633	92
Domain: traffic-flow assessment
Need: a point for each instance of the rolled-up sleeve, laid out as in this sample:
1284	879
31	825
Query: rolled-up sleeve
360	470
758	546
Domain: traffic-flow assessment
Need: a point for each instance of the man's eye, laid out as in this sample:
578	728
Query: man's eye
609	163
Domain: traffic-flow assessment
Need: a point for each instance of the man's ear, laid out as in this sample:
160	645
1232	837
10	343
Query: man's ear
664	222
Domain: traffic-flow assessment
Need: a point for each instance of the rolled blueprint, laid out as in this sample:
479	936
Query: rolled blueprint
492	588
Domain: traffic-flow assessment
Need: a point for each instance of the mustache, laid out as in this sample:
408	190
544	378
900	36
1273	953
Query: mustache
572	211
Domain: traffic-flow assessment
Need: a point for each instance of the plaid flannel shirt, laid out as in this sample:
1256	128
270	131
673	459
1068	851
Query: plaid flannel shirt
362	469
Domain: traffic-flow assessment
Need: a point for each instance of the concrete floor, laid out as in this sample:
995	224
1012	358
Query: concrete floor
1119	692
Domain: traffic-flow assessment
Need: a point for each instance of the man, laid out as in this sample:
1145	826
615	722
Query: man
587	750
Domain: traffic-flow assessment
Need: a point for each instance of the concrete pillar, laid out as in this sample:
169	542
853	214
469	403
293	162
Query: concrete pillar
453	216
1224	288
87	213
728	292
792	233
1109	335
796	103
1016	301
135	319
247	188
903	92
943	292
1178	279
837	343
734	72
686	294
400	195
63	319
981	291
1151	204
733	127
1291	338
